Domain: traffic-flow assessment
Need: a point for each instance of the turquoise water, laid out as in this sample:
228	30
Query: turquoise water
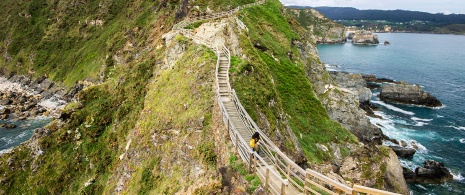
10	138
436	62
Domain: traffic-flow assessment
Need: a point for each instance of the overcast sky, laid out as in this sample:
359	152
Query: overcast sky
432	6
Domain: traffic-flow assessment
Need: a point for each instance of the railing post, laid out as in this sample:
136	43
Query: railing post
307	176
237	139
283	189
288	170
250	162
267	179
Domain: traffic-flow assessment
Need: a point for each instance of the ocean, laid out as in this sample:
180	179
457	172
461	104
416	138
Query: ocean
10	138
437	63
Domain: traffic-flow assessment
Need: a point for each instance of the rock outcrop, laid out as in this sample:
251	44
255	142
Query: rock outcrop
324	30
353	82
403	152
23	97
407	94
431	172
365	37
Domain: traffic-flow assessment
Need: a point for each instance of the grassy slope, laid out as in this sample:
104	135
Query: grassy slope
177	109
86	146
55	41
284	81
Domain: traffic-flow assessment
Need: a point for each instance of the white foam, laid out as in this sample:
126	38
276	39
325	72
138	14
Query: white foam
393	108
420	124
457	176
458	128
462	141
420	119
6	85
422	187
21	135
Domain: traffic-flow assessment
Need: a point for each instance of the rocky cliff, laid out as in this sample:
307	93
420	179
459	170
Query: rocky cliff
323	29
407	93
148	122
365	37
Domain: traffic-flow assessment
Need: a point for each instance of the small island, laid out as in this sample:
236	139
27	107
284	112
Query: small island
364	37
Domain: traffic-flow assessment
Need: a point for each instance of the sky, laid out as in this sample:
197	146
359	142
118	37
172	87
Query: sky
431	6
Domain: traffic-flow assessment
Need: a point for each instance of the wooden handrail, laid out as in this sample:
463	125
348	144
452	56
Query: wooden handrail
285	167
367	190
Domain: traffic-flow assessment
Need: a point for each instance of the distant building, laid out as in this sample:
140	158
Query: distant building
387	28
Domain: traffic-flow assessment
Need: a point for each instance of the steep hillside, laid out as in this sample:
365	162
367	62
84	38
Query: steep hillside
324	29
149	124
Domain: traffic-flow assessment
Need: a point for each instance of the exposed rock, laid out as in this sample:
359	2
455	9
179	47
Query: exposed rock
351	35
365	37
353	82
323	29
408	94
352	165
431	172
8	126
395	181
403	152
5	102
3	116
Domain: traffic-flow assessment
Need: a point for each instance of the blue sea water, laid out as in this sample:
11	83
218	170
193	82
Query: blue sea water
437	63
10	138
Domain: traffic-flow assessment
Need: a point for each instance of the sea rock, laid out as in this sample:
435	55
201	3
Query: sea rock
8	126
365	37
353	82
431	172
5	111
3	116
408	94
403	152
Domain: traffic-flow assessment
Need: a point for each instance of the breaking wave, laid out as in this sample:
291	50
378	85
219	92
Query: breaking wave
393	108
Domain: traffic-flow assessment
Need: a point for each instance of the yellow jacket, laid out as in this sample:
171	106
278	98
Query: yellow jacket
252	143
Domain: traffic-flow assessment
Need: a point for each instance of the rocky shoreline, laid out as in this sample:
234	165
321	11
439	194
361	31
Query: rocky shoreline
396	92
24	98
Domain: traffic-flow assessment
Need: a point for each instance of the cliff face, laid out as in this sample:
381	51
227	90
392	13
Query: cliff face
323	29
148	122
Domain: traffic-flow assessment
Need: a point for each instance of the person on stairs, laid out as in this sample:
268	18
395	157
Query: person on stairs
254	143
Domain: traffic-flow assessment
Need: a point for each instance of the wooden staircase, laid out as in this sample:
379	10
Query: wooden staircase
278	173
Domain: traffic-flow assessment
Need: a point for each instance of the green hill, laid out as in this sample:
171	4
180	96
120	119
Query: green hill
148	123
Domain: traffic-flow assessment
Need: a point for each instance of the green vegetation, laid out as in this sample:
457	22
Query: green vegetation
241	168
71	43
221	5
320	26
281	81
68	44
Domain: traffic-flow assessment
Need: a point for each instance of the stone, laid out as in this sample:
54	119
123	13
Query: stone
365	37
8	126
3	116
395	181
5	102
432	172
408	94
353	82
403	152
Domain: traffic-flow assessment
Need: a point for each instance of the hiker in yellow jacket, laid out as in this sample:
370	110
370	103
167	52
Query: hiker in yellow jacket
254	142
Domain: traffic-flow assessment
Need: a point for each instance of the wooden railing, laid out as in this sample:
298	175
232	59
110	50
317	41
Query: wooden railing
187	22
282	173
